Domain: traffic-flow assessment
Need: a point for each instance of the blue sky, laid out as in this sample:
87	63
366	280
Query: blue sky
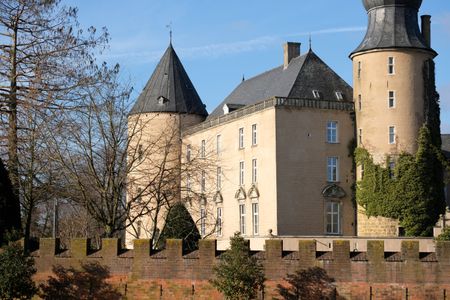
220	41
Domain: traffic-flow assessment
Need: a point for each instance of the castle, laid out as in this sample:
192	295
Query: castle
273	158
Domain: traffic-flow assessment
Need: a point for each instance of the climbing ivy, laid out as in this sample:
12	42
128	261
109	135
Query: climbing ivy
412	192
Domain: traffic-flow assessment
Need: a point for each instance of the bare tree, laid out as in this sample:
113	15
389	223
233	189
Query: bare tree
44	60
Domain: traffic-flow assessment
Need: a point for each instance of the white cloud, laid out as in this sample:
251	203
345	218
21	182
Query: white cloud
125	52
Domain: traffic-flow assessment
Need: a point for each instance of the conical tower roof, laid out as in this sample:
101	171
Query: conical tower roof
169	89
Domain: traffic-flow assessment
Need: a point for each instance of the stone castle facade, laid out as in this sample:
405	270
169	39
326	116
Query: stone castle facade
273	158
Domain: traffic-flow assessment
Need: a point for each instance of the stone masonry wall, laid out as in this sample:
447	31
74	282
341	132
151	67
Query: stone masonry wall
143	273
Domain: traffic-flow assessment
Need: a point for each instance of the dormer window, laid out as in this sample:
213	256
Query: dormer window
162	100
339	96
316	94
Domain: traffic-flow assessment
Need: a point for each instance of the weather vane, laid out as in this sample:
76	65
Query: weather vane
310	41
170	31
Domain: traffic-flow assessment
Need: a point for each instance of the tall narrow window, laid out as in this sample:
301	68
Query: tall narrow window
139	229
203	182
139	195
362	171
219	144
333	222
188	153
391	65
219	178
391	134
359	69
202	222
391	99
332	132
360	136
140	152
391	169
359	102
241	138
219	222
203	149
188	182
254	170
332	169
254	135
242	218
241	173
255	218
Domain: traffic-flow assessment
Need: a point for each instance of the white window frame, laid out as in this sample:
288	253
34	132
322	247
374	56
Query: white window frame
254	135
391	135
241	138
241	173
219	179
391	97
218	144
255	218
333	169
203	149
242	218
391	65
202	221
333	212
316	94
254	170
203	182
219	220
332	128
339	96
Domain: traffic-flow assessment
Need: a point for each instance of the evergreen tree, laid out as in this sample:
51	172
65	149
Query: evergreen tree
16	270
238	275
9	206
180	225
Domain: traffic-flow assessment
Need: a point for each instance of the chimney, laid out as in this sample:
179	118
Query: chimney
291	50
426	29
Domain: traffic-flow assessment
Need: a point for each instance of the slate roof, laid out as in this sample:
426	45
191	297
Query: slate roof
303	75
393	24
169	89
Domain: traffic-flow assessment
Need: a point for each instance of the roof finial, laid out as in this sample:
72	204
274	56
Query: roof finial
243	77
170	32
310	42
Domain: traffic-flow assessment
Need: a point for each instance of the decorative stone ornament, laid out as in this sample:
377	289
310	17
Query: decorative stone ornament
333	191
240	194
253	192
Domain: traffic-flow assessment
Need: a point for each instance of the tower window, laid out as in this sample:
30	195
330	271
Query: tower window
360	136
359	69
203	149
391	134
316	94
339	96
188	153
359	102
391	65
391	99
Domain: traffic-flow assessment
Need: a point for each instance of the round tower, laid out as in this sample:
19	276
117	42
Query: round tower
389	89
167	105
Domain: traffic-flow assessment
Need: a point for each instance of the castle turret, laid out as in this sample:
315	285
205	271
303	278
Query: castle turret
389	90
168	104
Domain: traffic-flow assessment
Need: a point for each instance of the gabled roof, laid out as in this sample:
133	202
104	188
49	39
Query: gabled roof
303	75
169	89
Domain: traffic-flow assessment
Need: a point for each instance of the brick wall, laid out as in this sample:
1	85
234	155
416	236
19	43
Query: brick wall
171	274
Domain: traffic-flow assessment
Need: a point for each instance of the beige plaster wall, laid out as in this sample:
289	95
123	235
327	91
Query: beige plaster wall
228	159
375	116
153	134
302	152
